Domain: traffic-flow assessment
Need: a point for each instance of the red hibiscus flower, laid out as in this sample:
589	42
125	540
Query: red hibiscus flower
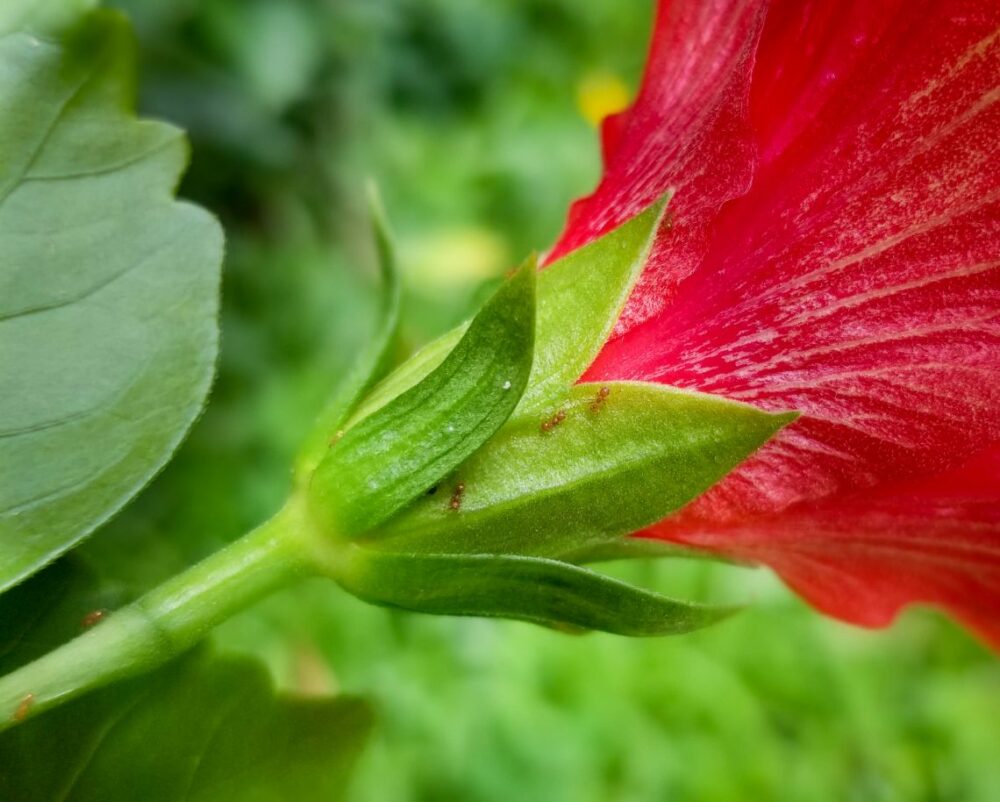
834	248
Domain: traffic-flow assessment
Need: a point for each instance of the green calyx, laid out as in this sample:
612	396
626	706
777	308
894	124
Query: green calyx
479	476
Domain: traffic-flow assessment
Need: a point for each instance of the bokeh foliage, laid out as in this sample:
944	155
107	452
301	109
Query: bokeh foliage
466	112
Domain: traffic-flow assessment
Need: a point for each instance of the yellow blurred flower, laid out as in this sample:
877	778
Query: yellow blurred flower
455	256
599	94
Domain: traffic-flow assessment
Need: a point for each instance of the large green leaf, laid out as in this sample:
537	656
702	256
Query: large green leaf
388	458
108	292
622	456
201	728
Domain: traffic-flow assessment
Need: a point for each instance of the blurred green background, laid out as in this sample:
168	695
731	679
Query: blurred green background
472	117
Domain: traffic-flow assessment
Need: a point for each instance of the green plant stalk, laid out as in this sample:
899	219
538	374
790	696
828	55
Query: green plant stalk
169	619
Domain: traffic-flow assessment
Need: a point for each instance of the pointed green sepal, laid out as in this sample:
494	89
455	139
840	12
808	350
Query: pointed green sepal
609	460
533	589
580	298
387	459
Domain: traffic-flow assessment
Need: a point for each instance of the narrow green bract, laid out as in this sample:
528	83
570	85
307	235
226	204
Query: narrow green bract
532	589
390	457
373	361
108	292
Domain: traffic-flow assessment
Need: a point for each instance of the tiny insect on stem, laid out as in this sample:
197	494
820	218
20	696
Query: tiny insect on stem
24	708
599	399
92	618
555	420
456	498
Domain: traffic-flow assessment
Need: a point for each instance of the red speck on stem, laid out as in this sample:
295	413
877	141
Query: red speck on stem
24	708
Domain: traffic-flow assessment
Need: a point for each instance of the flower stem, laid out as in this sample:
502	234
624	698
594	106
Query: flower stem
166	621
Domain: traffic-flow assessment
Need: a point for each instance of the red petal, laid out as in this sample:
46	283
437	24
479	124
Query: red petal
688	131
856	280
863	556
806	49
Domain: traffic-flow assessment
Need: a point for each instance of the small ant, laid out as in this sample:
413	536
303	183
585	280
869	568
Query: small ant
456	497
93	617
555	420
22	709
599	399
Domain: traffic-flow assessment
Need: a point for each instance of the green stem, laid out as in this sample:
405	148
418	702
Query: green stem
168	620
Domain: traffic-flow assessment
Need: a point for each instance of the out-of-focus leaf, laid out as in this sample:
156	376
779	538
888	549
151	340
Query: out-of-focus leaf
390	457
40	16
51	608
204	728
108	292
201	728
